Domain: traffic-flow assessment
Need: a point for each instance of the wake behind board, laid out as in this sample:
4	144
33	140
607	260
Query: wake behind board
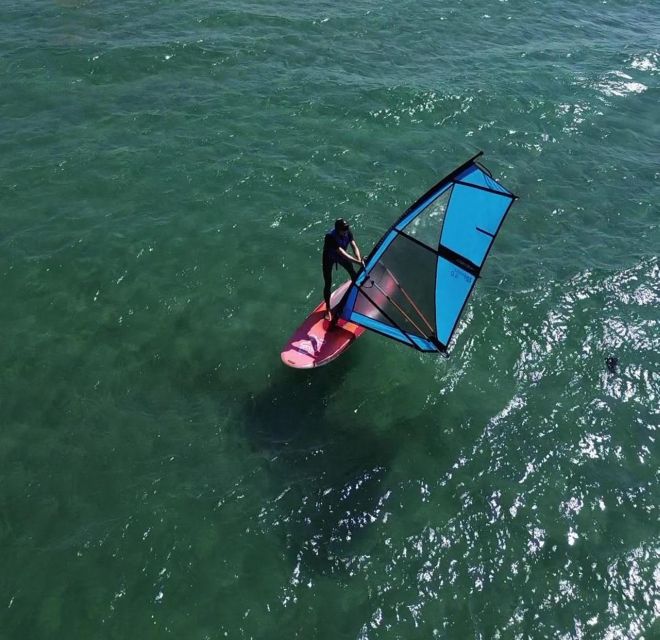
315	343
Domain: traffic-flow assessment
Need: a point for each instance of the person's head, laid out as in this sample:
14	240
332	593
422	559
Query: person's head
341	226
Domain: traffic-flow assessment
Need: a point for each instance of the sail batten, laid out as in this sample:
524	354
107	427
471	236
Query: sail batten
419	277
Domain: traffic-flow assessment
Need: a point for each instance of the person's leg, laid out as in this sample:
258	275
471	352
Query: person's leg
348	265
327	285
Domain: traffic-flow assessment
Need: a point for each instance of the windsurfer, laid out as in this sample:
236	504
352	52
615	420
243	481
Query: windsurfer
335	246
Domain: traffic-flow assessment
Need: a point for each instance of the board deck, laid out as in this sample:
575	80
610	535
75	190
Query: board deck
315	342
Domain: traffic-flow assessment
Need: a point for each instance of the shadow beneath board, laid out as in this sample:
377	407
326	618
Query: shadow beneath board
326	467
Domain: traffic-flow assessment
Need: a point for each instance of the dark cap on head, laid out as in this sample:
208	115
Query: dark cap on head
341	224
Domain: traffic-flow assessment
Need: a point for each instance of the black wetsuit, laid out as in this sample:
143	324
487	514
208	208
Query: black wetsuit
332	257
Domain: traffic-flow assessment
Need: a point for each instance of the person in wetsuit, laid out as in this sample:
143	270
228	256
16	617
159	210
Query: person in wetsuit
335	246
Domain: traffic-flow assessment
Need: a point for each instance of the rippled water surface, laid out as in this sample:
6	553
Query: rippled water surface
167	172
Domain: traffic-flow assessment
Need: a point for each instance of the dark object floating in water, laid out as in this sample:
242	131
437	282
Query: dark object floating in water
612	363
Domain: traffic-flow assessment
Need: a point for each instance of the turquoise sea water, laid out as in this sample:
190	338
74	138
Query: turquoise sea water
167	172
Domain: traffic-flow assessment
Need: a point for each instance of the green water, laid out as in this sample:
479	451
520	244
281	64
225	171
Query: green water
167	172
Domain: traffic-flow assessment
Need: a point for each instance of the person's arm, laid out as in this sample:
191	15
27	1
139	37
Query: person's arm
348	256
356	251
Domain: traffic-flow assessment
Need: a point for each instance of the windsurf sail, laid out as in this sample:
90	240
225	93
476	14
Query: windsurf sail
418	278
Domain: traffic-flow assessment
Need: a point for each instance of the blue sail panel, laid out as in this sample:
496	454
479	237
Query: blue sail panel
472	220
477	176
453	286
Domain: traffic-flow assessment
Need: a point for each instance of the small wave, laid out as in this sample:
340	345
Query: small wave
619	84
646	62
